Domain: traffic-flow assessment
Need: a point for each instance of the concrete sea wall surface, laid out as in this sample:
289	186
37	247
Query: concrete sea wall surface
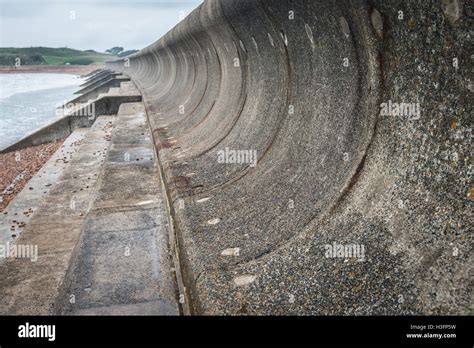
316	154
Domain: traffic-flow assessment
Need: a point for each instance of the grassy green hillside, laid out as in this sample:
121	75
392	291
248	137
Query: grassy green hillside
51	56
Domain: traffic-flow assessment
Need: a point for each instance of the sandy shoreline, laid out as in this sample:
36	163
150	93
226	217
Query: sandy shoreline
51	69
18	167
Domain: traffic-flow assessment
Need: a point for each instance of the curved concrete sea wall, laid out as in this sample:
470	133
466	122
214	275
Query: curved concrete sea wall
316	154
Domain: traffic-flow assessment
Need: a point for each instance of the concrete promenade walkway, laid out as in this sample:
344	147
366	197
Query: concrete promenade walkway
99	236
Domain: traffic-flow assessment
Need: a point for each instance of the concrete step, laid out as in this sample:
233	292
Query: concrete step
33	285
20	211
123	265
101	104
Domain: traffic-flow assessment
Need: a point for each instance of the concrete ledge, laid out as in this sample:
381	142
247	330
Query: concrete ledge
36	287
106	102
57	130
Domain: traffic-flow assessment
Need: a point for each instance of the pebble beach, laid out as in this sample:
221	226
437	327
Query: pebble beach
18	167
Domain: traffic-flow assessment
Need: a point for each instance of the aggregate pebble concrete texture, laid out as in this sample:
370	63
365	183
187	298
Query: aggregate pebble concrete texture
304	84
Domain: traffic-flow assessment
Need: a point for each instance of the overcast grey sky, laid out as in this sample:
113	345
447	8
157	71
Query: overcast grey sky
89	24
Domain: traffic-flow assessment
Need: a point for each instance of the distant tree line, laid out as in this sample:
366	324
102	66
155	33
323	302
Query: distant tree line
119	51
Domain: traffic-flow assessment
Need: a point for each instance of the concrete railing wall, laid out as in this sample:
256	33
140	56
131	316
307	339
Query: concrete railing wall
303	84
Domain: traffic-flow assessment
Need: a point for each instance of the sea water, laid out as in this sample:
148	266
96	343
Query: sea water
29	101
